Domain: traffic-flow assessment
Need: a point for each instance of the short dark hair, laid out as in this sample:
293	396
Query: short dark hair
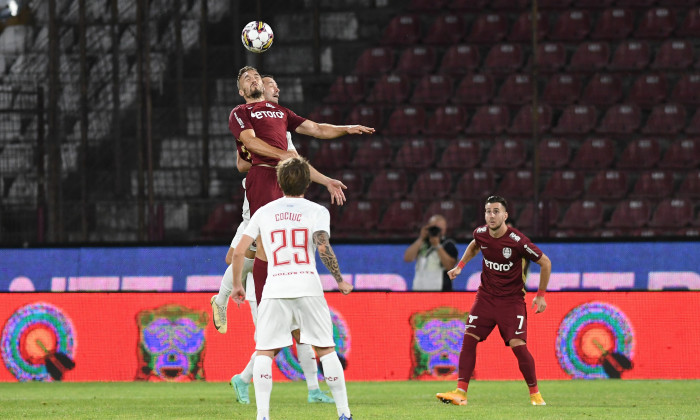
294	176
240	73
498	199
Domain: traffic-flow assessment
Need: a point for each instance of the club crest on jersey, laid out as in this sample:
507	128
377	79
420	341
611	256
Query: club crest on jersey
507	252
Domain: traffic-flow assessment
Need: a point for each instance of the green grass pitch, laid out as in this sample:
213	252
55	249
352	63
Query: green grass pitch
599	399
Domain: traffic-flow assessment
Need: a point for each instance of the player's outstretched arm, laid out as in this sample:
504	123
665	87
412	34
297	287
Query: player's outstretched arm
329	259
545	271
469	253
330	131
335	187
259	147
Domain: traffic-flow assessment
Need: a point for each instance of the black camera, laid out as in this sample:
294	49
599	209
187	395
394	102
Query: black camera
434	231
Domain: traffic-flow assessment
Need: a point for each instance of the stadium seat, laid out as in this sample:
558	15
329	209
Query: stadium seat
594	153
375	61
683	153
332	154
653	185
509	4
427	5
475	185
522	28
406	120
460	59
402	30
690	186
468	5
401	218
583	215
389	184
353	180
367	115
432	89
554	153
515	90
450	209
373	153
460	154
590	57
548	214
504	58
602	89
489	28
621	119
631	55
673	55
564	185
673	213
522	123
417	61
516	185
648	90
562	89
630	214
687	90
577	119
358	217
446	30
690	28
693	126
414	154
551	56
330	114
614	24
571	26
665	119
554	4
608	185
474	89
657	23
431	184
641	153
506	154
346	89
592	4
390	89
641	4
489	119
447	121
222	221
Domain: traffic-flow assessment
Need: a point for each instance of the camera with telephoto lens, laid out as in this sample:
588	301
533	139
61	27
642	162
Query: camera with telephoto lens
434	231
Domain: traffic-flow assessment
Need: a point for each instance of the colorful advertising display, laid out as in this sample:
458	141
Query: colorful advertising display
379	336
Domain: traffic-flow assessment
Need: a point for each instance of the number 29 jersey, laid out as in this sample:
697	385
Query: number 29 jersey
286	227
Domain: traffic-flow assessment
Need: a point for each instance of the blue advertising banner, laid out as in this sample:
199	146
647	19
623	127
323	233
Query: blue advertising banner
575	266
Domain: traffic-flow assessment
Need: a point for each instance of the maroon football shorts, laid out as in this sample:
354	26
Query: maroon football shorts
261	187
509	313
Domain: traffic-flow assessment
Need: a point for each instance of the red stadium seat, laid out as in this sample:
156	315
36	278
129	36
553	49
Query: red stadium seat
554	153
448	121
673	213
402	30
222	221
509	4
562	89
450	209
690	186
504	58
554	4
389	184
431	184
694	124
603	89
488	28
621	119
640	154
415	154
332	154
390	89
583	215
577	119
446	30
666	119
551	56
571	26
460	59
683	153
427	5
594	153
631	55
406	120
548	214
346	89
468	5
366	115
522	28
475	185
506	154
432	89
330	114
590	57
648	90
614	24
592	4
674	55
417	61
522	123
643	4
515	90
474	89
653	185
373	153
358	217
489	119
564	185
690	28
353	180
375	61
687	90
608	185
460	154
657	23
630	214
402	218
516	185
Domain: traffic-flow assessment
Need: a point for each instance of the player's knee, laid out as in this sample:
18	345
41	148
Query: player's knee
322	351
515	342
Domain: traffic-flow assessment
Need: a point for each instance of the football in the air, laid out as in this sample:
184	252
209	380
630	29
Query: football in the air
257	36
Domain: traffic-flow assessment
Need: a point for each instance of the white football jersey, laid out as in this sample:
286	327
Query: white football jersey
286	227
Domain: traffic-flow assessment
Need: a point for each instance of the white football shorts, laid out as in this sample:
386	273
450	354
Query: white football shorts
277	317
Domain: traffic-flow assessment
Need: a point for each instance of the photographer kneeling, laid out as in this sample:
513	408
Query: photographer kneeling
434	254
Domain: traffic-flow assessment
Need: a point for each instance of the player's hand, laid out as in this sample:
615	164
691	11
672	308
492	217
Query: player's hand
423	233
238	295
359	129
345	287
540	303
335	188
454	273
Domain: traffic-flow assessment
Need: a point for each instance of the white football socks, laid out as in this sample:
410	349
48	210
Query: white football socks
225	288
335	378
307	360
262	379
247	374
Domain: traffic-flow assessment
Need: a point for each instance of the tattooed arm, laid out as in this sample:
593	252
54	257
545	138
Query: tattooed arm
330	261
